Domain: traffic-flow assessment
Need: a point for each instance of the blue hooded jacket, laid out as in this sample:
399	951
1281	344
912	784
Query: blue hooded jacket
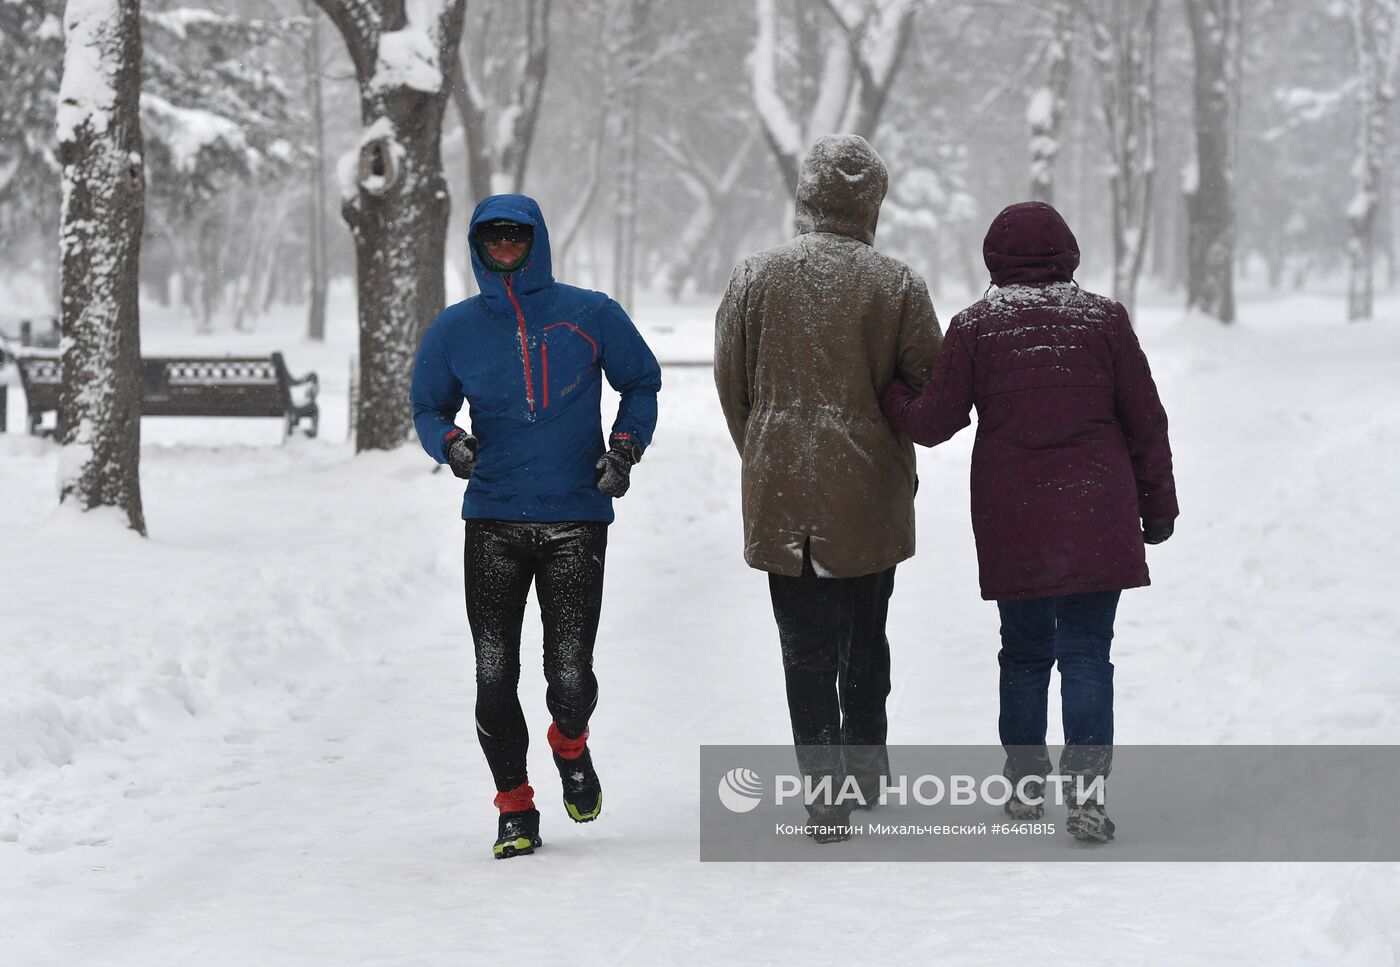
528	355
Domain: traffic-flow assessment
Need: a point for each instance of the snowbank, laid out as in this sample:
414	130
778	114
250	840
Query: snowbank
262	714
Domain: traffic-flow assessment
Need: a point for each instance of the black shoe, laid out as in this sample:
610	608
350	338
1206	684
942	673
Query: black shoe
518	834
583	796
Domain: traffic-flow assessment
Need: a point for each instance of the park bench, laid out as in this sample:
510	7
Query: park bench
46	337
192	386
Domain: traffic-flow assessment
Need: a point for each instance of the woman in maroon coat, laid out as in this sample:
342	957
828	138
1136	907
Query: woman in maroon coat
1071	475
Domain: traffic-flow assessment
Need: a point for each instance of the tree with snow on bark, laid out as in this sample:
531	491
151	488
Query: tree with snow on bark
393	193
1210	189
1377	44
104	182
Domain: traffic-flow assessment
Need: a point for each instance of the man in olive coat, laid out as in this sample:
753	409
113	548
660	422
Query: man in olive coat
808	334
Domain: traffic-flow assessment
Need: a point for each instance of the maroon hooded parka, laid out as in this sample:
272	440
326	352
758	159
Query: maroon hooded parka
1071	451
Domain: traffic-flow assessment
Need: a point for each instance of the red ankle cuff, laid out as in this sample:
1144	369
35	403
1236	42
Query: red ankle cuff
566	747
514	800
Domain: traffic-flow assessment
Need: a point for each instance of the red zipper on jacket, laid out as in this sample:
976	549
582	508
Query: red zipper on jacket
544	355
524	345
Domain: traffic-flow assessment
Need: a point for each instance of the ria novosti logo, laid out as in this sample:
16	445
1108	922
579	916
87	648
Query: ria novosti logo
740	790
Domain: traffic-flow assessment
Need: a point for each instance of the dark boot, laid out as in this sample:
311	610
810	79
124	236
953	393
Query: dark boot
518	833
1088	822
1019	809
583	795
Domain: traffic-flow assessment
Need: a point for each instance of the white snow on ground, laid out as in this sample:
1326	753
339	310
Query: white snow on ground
249	739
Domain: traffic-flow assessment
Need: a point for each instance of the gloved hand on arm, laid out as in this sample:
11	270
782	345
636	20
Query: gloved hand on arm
461	453
613	471
1155	532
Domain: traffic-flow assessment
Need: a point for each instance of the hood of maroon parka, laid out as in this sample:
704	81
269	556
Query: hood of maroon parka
1030	244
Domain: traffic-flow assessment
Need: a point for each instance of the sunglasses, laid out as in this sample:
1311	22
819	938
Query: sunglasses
493	232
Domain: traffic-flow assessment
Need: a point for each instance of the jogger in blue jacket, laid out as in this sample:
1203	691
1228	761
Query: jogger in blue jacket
528	356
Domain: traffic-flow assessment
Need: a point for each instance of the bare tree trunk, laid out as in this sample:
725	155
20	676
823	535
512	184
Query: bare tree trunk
1377	41
625	205
471	111
515	150
1392	257
711	193
398	215
861	62
1210	198
316	312
625	188
624	63
262	259
213	245
272	288
1125	54
497	160
1178	245
100	148
248	277
589	192
1046	108
877	36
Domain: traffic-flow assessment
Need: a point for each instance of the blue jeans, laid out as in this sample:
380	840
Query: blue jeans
1074	630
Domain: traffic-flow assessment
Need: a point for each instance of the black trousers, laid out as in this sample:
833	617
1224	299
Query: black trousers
836	662
564	561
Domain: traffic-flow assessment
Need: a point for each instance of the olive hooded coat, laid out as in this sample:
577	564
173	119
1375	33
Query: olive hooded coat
808	334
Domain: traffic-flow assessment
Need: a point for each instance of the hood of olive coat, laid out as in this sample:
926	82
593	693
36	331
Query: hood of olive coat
1029	243
840	188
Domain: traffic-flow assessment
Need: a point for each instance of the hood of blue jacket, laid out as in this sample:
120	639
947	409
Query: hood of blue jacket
536	275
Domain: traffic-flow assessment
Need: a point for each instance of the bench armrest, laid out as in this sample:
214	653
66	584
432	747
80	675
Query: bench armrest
310	380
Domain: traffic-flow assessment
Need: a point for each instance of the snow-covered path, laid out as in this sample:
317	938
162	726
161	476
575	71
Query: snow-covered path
249	739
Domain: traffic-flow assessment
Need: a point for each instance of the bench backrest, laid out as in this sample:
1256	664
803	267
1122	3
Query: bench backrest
214	386
181	385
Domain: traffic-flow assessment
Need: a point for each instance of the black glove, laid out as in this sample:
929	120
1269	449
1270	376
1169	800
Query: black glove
461	454
613	471
1156	531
